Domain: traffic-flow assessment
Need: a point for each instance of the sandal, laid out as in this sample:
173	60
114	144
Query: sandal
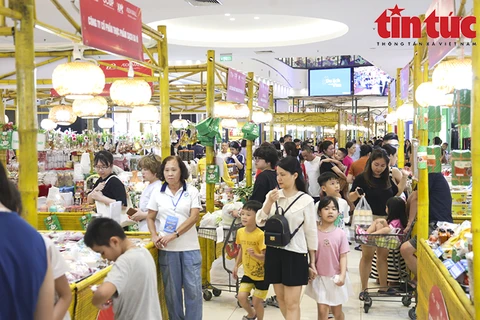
362	296
247	318
272	301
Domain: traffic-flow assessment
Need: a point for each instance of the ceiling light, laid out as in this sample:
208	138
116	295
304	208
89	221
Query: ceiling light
91	108
105	123
62	115
227	14
48	124
232	19
256	18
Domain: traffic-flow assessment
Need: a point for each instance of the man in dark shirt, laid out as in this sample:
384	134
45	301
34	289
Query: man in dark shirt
265	159
439	209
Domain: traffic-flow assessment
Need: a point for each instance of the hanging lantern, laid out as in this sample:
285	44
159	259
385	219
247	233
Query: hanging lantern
240	111
391	118
258	117
78	79
180	123
229	123
62	115
48	124
427	94
269	117
131	92
105	123
405	112
222	109
146	114
6	119
90	109
453	74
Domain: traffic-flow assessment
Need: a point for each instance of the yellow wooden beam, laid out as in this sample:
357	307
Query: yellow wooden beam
6	31
308	118
9	13
476	162
162	47
3	21
250	89
27	111
67	16
150	55
210	103
37	65
3	153
58	32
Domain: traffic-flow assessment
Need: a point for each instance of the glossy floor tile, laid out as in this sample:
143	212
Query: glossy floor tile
225	307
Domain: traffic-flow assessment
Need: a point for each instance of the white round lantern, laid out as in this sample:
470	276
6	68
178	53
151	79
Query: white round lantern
105	123
427	94
229	123
48	124
180	123
391	118
146	114
453	74
131	92
62	115
222	109
78	79
405	112
90	109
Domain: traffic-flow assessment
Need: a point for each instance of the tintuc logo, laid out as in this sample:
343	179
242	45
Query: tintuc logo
447	27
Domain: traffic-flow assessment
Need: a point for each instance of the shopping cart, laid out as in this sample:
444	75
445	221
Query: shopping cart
229	252
389	294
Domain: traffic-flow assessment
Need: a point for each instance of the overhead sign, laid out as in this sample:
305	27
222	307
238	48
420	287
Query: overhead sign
226	57
263	95
112	25
111	72
393	94
236	86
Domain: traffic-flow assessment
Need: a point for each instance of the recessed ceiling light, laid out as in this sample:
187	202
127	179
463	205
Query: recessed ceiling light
256	18
232	19
227	14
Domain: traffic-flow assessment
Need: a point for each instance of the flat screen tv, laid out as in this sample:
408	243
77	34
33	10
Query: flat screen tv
330	82
370	81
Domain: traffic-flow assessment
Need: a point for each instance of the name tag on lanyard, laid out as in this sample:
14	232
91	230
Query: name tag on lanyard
172	221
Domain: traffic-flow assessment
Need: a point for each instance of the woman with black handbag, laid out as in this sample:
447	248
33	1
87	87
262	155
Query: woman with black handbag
287	262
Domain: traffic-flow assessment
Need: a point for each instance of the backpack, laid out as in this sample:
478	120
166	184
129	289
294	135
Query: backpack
277	230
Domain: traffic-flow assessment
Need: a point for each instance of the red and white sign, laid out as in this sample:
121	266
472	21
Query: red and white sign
437	310
236	86
112	25
440	22
263	95
111	72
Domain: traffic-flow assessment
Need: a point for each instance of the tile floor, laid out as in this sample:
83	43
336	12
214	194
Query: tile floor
225	307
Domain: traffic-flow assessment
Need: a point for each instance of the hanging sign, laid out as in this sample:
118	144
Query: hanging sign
404	82
440	47
393	94
437	310
112	25
236	86
263	95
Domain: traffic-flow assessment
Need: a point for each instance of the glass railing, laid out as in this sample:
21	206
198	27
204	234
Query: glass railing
325	62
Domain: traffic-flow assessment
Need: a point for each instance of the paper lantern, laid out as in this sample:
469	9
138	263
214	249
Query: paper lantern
131	92
146	114
229	123
90	109
78	80
453	74
105	123
405	112
427	94
391	118
222	109
6	119
180	123
48	124
62	115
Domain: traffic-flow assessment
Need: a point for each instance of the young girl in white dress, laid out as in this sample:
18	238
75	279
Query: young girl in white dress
331	287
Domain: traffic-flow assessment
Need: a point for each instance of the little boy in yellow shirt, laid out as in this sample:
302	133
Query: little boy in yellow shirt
252	254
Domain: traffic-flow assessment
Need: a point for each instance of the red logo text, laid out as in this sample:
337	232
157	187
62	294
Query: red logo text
396	26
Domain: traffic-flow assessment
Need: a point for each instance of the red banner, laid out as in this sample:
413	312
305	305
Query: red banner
112	25
111	72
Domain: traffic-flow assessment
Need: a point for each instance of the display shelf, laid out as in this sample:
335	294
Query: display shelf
460	219
68	220
436	274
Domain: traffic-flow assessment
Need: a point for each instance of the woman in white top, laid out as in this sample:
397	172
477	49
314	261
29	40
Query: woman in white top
177	206
287	268
150	166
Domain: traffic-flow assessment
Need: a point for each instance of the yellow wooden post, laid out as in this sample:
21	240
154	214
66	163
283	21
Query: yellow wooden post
390	109
400	124
248	161
476	163
3	153
27	109
272	111
423	200
342	134
210	103
164	85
